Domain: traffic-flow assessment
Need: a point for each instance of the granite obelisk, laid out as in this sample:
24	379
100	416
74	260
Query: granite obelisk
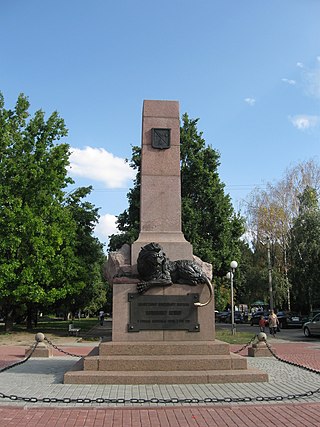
160	201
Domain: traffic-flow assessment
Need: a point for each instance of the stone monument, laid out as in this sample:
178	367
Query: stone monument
162	334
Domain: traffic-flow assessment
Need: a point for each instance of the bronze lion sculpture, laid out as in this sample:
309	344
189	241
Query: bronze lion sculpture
155	269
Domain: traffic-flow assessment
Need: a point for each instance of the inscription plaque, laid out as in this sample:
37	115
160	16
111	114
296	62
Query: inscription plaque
163	312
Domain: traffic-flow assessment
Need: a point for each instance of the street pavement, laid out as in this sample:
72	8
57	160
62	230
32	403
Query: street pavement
275	403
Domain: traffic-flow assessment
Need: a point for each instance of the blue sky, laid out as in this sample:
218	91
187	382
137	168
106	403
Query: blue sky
249	70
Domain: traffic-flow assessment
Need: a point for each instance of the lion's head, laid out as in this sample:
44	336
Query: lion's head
152	263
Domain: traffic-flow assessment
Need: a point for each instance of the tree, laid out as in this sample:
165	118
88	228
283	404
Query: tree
89	252
271	213
37	257
305	252
128	222
208	219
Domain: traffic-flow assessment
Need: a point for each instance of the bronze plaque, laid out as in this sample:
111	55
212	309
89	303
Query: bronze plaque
163	312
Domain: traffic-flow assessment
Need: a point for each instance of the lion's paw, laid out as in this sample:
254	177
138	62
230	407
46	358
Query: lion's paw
142	287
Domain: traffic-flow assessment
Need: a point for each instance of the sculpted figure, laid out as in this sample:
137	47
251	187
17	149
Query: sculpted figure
155	269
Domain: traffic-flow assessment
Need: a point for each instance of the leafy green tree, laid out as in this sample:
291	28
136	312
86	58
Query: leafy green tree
305	253
271	214
37	257
128	222
90	256
208	218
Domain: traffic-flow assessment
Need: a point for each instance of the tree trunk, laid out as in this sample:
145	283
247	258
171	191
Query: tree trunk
29	316
8	320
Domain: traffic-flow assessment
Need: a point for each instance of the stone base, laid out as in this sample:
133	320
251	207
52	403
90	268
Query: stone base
121	315
163	363
259	349
41	351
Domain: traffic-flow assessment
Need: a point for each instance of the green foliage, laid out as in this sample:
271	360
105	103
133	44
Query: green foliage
305	253
128	222
89	254
208	217
47	252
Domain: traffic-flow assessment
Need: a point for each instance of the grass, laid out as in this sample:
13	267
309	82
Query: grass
58	327
239	337
54	326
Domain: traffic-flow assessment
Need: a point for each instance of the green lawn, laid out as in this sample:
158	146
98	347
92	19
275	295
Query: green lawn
56	326
238	338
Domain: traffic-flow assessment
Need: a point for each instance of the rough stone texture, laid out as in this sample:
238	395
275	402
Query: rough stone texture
205	266
118	263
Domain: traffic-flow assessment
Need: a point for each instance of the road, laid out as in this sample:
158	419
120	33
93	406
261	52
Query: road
290	334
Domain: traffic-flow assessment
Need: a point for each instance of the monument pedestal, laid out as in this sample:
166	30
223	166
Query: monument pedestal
161	337
162	356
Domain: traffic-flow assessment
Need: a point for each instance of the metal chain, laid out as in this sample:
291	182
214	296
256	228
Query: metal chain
61	350
20	362
246	345
156	400
288	362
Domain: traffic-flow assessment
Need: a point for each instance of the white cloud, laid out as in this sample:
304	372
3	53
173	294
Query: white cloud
250	101
106	227
300	65
100	165
304	121
289	81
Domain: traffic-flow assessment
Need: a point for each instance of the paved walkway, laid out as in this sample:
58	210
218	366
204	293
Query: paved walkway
170	405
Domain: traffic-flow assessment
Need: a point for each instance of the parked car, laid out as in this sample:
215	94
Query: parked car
312	327
225	317
293	320
255	317
239	317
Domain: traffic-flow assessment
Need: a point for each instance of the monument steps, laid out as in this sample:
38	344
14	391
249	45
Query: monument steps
158	348
161	377
164	363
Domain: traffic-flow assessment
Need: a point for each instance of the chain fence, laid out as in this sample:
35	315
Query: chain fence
164	401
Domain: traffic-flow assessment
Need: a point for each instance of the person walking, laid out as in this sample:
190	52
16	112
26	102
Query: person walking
273	323
262	323
101	317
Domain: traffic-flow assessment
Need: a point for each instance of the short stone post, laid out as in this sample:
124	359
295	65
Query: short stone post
260	349
42	350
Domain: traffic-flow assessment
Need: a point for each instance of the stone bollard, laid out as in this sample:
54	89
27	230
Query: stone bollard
260	348
42	350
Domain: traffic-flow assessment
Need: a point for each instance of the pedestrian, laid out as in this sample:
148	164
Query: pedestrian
273	323
262	323
101	317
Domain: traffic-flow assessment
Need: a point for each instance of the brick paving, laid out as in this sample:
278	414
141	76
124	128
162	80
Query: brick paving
294	415
43	377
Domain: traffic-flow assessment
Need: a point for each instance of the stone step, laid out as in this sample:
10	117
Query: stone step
163	377
165	363
164	348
